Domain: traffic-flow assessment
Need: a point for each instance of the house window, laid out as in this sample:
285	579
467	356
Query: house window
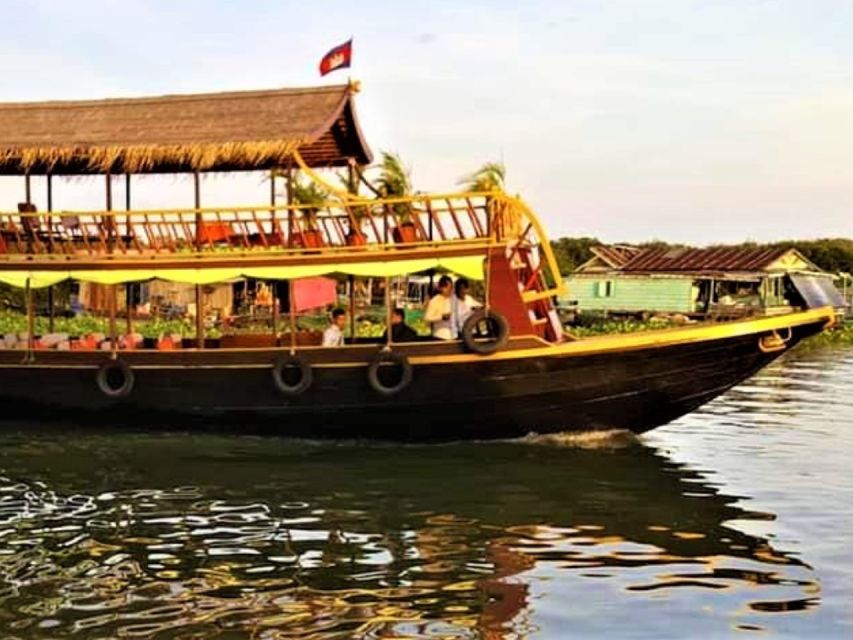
604	288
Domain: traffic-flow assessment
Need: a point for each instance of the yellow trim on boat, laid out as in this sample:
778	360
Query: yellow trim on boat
587	346
646	339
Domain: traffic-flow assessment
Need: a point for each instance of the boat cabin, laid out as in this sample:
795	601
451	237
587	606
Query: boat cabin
139	273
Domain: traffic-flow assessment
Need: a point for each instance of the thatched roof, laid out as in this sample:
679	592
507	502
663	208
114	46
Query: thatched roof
245	130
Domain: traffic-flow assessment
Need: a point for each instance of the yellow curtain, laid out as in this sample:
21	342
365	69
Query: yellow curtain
470	266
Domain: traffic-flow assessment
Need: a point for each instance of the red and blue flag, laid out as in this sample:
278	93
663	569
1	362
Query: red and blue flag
338	58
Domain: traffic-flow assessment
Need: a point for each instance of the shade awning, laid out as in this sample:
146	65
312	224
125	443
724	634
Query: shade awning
468	266
817	291
234	131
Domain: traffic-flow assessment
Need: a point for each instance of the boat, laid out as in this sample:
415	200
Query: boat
512	370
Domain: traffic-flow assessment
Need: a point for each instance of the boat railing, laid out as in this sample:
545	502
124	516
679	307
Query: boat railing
353	228
351	225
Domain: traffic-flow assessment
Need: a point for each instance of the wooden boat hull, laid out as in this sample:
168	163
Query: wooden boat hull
634	382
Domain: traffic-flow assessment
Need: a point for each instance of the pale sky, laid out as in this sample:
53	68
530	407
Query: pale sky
686	120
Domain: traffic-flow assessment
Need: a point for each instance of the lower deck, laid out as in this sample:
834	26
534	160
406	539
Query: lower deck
632	381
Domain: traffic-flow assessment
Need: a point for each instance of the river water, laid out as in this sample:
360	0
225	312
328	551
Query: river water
736	521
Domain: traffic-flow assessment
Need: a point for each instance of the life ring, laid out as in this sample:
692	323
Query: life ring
385	359
115	379
284	382
496	332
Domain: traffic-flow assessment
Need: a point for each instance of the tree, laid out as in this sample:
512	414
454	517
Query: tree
490	177
394	177
308	192
571	253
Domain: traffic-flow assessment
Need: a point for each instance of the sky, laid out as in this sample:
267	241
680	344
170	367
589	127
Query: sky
697	121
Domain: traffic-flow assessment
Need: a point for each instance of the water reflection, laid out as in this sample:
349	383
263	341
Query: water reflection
129	535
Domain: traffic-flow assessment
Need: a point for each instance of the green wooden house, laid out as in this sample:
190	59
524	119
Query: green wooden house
724	281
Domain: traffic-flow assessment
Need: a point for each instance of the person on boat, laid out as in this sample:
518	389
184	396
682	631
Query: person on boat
333	336
439	311
400	331
462	304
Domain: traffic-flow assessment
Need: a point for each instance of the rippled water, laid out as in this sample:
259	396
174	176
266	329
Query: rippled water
733	521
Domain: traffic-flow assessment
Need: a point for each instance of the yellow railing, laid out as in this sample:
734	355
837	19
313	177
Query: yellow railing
437	221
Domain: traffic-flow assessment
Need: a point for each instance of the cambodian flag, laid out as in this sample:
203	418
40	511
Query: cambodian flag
338	58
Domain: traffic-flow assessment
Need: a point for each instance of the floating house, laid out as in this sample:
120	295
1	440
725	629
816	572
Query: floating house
713	282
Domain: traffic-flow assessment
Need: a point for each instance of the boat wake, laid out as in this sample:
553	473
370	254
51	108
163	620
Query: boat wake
599	439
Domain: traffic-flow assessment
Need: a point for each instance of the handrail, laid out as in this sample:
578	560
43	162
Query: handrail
441	221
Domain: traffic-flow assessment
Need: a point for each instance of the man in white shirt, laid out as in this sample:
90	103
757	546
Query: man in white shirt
334	335
439	311
462	305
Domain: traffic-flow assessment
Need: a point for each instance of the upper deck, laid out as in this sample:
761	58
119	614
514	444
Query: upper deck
279	132
419	232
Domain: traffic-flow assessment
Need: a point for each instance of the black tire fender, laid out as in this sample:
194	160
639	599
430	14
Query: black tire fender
105	378
498	329
384	358
292	361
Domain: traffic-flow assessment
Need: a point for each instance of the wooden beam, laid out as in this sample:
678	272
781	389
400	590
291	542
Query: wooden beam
291	317
388	312
28	189
113	329
198	216
199	317
31	323
351	283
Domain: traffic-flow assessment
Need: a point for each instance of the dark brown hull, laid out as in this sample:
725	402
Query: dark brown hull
452	396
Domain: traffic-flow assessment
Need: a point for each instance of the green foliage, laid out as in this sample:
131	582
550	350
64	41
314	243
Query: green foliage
394	177
601	326
839	336
573	252
16	322
490	177
308	192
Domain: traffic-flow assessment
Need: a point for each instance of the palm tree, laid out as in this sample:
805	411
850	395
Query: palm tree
394	176
308	192
395	181
490	177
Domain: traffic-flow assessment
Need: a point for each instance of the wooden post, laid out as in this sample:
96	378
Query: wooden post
388	312
28	189
113	329
289	191
292	317
198	219
351	284
128	303
50	303
127	220
50	312
199	318
128	288
31	323
50	205
109	222
274	311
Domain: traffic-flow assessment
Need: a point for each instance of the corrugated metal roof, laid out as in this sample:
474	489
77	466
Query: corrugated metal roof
616	256
712	259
